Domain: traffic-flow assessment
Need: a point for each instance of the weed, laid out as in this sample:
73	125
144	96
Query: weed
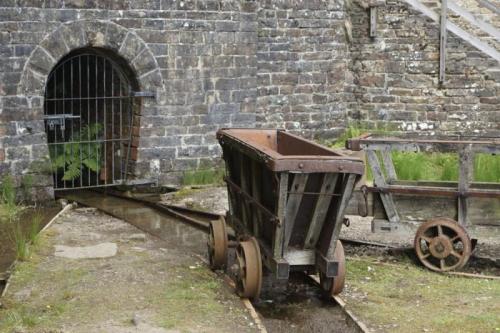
21	242
7	190
34	228
26	186
203	177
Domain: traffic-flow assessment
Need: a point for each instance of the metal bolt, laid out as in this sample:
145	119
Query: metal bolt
301	165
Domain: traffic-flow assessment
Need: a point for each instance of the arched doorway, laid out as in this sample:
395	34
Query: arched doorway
89	119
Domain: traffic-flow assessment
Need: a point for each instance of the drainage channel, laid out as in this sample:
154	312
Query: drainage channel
300	306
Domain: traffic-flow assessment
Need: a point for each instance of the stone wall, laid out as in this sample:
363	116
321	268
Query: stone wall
308	66
302	63
396	76
211	64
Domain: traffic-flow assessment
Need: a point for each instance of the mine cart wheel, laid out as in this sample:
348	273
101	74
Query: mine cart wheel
217	243
249	272
442	245
335	285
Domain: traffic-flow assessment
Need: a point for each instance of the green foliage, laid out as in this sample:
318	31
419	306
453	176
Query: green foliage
487	168
203	177
350	132
21	242
72	155
443	166
26	186
34	227
8	205
8	190
11	225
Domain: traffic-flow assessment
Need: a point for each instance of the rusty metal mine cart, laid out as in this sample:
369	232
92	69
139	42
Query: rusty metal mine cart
448	214
287	197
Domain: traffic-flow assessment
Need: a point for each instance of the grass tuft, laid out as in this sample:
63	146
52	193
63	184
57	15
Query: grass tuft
203	177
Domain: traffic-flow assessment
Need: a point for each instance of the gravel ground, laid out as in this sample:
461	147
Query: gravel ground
141	284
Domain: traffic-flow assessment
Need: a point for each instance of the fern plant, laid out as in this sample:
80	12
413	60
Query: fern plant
78	151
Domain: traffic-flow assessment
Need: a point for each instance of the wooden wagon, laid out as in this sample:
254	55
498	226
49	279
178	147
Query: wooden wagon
287	197
448	214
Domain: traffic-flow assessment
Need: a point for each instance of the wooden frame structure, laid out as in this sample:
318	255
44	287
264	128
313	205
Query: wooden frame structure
470	203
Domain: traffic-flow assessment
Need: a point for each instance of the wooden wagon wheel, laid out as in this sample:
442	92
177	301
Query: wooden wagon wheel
249	272
217	243
335	285
442	245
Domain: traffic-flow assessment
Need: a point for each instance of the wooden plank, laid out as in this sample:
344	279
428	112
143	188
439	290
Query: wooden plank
231	195
373	21
300	257
321	209
245	212
389	165
471	39
256	193
347	189
468	16
465	176
293	203
379	180
489	5
279	229
442	41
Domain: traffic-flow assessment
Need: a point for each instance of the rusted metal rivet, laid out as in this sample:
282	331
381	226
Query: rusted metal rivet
341	167
301	165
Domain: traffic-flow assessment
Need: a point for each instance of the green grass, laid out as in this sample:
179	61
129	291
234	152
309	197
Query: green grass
417	300
21	233
203	177
192	296
41	314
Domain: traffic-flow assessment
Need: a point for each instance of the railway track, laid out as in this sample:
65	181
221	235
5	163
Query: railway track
303	308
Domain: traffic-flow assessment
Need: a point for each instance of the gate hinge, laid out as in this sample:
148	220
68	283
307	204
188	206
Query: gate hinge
145	94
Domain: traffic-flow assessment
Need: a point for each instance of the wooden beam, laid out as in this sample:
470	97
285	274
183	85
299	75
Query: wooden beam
469	17
442	41
347	188
256	194
293	203
321	209
489	5
472	40
373	21
465	177
389	165
279	230
379	179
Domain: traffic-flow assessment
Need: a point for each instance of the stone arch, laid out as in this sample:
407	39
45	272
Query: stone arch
89	33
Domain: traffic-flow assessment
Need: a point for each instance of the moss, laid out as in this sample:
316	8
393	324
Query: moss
405	298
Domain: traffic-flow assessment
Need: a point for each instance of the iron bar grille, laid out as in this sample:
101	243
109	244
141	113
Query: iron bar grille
89	121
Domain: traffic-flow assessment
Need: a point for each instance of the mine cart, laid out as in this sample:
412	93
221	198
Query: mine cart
446	214
287	197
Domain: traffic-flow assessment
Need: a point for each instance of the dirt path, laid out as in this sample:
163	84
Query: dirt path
139	284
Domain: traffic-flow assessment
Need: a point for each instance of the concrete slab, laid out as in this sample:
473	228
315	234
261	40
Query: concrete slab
103	250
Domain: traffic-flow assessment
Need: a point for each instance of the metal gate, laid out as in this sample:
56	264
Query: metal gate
89	122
